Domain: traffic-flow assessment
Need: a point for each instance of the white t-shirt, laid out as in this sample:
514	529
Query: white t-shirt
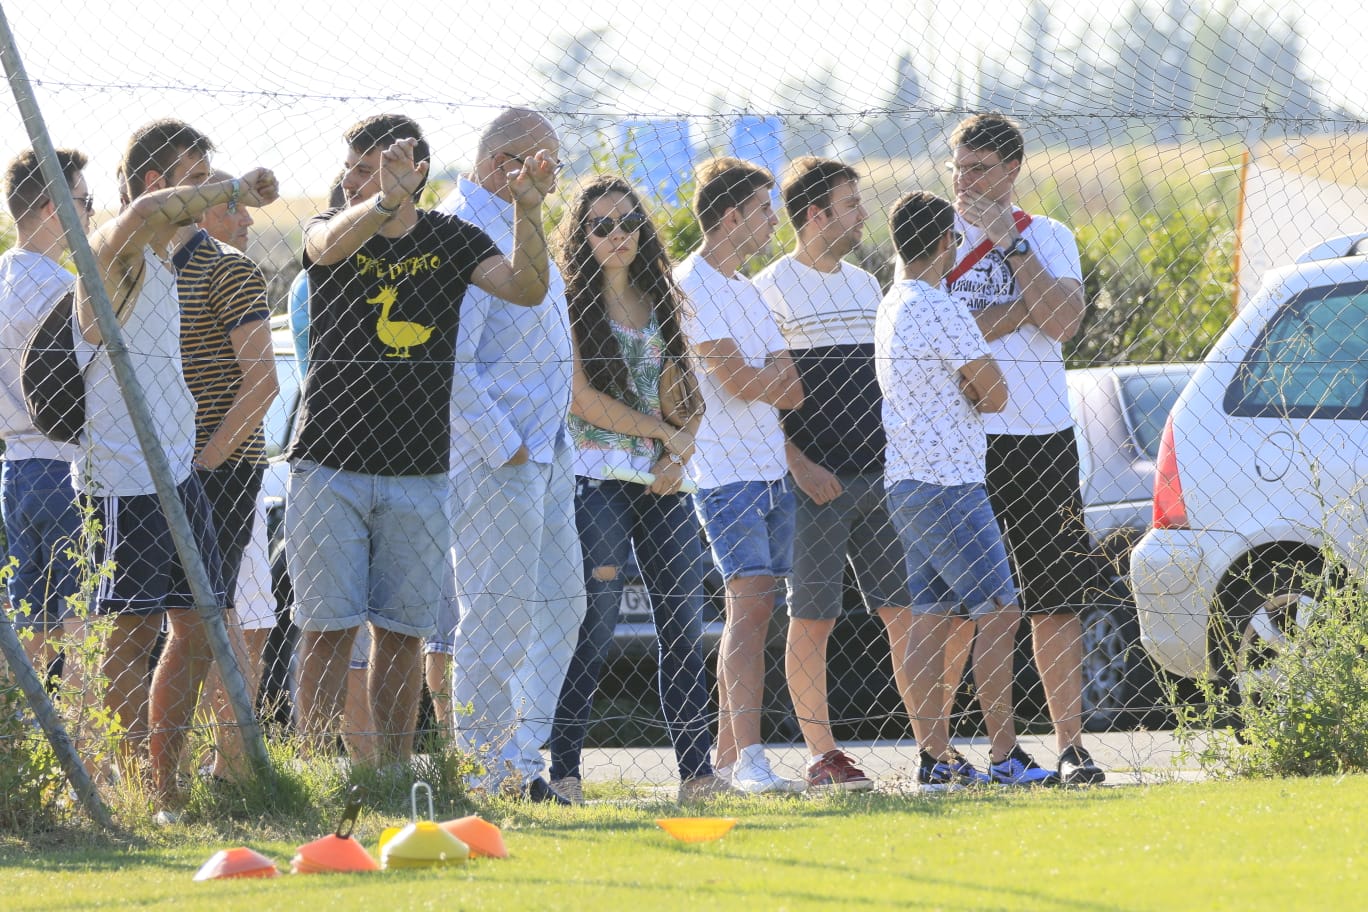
1032	363
737	441
29	285
921	340
112	461
816	309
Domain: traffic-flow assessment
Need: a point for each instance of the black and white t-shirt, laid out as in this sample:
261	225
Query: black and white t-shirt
1032	363
827	320
382	338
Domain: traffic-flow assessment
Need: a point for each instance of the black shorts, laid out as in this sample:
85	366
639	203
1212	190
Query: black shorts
232	490
1033	486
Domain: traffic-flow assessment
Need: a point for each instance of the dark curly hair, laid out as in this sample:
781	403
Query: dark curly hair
649	273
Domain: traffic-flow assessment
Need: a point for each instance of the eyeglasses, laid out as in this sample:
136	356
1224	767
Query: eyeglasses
556	167
605	225
977	169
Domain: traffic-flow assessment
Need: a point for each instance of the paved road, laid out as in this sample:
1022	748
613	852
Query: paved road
1130	758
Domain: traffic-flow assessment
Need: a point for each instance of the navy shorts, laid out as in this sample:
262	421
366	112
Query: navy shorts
145	572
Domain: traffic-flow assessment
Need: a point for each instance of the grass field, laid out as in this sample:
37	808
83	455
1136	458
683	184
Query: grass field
1285	844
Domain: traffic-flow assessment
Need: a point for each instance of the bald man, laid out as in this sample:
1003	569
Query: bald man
517	559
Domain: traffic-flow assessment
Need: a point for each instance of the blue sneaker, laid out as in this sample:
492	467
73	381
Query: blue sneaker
1020	769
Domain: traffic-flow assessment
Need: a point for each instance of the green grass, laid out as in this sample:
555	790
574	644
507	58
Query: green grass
1275	844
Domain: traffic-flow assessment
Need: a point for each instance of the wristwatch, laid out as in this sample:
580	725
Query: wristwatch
1020	245
674	458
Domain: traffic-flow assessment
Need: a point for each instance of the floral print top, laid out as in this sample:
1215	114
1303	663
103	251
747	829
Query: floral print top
598	448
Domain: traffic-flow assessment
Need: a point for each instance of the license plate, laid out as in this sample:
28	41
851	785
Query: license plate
636	604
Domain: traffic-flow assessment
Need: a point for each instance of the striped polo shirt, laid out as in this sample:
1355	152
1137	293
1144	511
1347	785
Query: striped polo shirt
220	289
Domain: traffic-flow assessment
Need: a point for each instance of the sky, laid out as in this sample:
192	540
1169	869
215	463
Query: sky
275	83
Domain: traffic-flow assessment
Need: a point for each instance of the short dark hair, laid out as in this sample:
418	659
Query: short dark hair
725	183
918	221
809	182
381	131
25	188
990	133
156	147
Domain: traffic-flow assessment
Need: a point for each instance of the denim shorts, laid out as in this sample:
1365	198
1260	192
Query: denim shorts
750	527
366	548
43	527
956	561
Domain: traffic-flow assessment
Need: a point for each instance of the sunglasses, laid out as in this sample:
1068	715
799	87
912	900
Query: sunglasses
605	225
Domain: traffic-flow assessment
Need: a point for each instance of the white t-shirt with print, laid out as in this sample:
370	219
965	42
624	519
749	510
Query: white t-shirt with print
737	441
1032	363
921	340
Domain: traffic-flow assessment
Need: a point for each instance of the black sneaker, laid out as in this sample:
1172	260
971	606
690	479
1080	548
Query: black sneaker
947	775
1020	769
1076	767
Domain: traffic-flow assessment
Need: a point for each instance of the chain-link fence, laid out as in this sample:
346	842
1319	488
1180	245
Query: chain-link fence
691	379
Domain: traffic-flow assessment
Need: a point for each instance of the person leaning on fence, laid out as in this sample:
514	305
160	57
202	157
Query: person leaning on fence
1021	278
148	582
516	557
626	315
230	369
937	378
42	522
358	721
744	499
825	307
366	528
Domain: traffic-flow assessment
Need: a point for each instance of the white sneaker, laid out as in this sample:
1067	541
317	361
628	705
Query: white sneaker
759	779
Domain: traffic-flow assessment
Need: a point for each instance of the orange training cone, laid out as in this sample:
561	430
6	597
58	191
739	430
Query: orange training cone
239	862
337	853
484	838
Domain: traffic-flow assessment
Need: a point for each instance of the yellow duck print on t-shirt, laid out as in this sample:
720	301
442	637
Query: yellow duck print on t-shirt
396	334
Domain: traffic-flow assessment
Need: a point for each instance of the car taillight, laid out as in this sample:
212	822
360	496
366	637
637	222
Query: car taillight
1169	510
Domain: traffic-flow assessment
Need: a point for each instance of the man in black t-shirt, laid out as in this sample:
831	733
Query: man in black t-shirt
366	529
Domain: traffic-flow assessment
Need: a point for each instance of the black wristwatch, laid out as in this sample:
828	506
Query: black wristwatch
1019	246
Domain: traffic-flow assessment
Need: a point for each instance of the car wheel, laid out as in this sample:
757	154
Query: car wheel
1282	599
1120	690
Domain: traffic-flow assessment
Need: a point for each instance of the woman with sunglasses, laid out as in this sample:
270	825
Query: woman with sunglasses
625	318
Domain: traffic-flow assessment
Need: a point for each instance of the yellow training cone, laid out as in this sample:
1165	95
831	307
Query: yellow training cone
421	844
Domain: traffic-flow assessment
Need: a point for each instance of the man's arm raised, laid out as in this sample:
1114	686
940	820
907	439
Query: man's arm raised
329	243
523	277
118	244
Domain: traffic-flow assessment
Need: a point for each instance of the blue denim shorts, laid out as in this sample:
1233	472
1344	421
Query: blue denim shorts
956	561
43	527
366	548
750	527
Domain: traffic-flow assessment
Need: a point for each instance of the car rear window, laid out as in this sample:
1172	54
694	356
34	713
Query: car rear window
1311	361
1148	398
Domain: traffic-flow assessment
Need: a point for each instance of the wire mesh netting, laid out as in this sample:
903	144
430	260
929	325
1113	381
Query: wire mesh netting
617	394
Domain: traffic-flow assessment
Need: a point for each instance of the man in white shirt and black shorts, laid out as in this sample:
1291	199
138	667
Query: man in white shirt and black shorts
1022	279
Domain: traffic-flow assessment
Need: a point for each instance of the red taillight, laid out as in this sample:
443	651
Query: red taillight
1169	510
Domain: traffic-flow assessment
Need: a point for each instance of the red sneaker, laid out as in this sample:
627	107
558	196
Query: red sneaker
835	771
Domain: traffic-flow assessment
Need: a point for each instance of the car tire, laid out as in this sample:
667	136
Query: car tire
1260	617
1120	687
